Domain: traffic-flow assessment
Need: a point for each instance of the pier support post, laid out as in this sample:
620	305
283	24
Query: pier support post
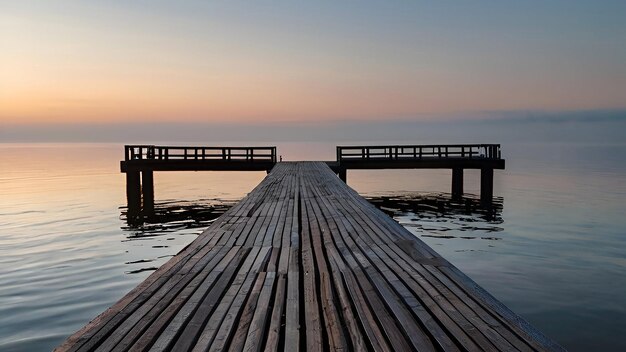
343	174
133	192
147	189
486	185
457	183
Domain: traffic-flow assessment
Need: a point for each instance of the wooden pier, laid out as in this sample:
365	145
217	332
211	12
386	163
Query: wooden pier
305	263
456	157
141	161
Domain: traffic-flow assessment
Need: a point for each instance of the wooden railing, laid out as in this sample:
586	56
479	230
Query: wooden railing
409	152
152	152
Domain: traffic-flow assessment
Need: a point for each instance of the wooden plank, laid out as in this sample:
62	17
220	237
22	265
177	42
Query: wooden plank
348	318
257	330
277	319
332	324
385	322
411	329
245	319
351	295
228	310
189	321
367	244
195	289
278	217
133	313
292	305
312	316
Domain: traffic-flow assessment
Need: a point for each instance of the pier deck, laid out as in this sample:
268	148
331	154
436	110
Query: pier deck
305	263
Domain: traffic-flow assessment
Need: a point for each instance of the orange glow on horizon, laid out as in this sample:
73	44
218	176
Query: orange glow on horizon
118	64
246	99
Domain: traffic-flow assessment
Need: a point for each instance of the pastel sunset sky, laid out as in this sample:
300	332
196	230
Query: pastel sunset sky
239	62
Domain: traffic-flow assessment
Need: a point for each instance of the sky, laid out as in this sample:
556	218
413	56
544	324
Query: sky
65	63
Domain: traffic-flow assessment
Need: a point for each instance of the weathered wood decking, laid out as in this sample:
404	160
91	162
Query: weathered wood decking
304	262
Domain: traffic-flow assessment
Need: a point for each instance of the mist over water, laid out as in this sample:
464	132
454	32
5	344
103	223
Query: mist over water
553	250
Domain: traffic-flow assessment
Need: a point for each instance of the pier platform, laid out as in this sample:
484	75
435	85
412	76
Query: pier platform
305	263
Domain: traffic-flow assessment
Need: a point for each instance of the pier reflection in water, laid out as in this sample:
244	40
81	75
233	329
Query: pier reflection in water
173	215
164	225
438	215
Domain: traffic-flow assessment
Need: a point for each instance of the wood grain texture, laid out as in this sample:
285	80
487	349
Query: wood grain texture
304	262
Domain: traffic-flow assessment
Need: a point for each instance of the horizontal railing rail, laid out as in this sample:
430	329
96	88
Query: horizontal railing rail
153	152
411	152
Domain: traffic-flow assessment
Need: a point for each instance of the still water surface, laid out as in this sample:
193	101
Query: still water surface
555	252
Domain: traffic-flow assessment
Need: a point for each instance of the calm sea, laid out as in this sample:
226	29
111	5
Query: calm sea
555	252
